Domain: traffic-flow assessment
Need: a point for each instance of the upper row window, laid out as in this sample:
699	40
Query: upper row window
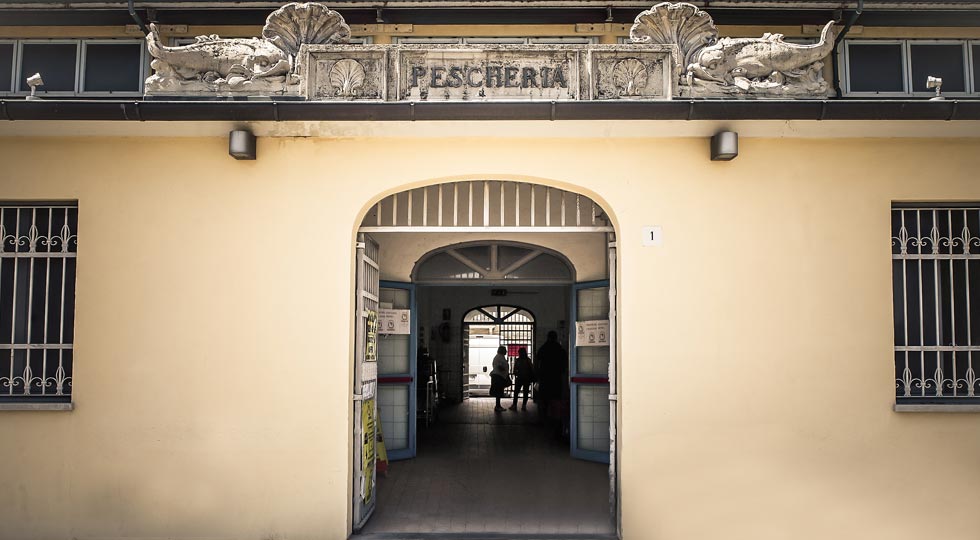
87	66
901	67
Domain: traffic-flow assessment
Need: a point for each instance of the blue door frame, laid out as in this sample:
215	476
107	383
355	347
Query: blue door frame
406	378
577	379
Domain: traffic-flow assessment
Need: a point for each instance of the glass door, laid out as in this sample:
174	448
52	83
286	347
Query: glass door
397	368
589	371
365	380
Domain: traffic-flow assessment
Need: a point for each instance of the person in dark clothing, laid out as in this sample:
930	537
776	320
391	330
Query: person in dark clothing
551	363
523	377
499	378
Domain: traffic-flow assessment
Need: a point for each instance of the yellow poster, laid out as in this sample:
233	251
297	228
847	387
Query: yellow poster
368	445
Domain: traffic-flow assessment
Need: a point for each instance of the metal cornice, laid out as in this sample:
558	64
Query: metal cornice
298	111
456	4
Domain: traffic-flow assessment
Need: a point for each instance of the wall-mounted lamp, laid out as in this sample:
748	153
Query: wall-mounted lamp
937	83
724	146
241	144
34	81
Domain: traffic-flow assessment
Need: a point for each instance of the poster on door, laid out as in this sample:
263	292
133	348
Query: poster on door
394	321
368	449
592	333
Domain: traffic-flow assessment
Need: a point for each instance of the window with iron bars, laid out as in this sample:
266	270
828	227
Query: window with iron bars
38	245
936	289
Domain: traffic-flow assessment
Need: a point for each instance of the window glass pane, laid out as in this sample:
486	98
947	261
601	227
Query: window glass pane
945	61
6	66
875	68
54	61
112	67
976	68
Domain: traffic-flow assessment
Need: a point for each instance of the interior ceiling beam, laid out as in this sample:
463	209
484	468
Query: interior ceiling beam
466	261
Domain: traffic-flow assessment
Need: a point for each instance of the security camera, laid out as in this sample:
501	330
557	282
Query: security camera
937	83
34	81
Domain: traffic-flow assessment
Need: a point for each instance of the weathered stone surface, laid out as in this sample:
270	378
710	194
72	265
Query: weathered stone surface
454	73
765	67
752	67
347	73
254	67
675	52
631	73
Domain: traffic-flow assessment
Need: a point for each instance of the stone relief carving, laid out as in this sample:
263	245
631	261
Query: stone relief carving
629	76
253	66
678	24
626	73
675	50
764	67
345	72
347	77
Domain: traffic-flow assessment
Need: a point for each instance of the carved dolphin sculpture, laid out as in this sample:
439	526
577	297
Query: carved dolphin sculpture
731	61
245	58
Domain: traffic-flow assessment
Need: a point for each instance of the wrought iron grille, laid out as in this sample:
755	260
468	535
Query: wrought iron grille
936	282
515	328
38	245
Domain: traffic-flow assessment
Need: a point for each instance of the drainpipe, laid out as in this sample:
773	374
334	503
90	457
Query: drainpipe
840	37
136	17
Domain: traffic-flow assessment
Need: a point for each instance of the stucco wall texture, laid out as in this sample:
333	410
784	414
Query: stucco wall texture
214	338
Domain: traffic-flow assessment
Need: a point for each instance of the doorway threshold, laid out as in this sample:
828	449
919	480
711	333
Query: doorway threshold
480	536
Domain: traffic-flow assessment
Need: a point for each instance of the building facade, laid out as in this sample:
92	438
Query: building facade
188	342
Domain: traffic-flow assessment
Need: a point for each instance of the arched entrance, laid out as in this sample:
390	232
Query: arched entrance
428	257
484	330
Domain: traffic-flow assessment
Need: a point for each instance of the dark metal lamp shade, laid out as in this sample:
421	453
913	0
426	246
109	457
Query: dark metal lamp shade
724	146
241	144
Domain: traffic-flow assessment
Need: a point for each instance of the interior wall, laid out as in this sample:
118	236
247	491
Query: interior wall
549	304
400	251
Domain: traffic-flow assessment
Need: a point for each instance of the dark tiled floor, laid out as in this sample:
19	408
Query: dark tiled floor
483	472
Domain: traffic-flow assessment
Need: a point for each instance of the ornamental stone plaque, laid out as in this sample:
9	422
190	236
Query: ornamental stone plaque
458	73
631	73
674	51
347	73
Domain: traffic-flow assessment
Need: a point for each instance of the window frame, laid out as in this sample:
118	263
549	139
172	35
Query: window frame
901	249
971	78
844	60
18	88
967	76
144	67
62	399
13	67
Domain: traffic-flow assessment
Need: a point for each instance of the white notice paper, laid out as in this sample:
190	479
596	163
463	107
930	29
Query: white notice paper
394	321
592	333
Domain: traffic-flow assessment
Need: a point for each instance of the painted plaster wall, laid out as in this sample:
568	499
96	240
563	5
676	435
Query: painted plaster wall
213	335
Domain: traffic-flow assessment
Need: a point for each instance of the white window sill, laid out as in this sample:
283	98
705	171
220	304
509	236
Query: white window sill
37	406
936	408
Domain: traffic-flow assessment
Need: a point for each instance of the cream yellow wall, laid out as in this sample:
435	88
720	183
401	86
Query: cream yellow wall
213	337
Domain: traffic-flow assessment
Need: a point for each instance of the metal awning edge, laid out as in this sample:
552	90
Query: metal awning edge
287	111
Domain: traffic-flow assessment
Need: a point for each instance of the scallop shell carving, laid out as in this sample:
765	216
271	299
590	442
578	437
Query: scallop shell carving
347	77
682	24
297	23
630	76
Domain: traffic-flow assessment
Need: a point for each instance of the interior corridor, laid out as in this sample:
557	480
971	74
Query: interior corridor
483	472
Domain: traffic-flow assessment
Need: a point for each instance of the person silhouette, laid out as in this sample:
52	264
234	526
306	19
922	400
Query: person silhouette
523	377
499	378
551	366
